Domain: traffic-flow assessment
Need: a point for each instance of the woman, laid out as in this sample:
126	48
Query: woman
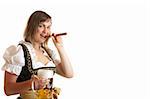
23	60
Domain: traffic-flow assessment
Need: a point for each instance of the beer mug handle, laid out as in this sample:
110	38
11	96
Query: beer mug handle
32	86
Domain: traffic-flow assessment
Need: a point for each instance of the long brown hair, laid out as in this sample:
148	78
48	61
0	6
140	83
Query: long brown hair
33	22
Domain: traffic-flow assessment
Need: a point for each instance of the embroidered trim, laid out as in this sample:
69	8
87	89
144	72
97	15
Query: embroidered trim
29	61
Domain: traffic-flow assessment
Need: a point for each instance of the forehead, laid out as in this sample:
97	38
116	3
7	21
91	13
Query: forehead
46	23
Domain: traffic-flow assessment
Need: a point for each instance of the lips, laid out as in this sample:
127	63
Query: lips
43	36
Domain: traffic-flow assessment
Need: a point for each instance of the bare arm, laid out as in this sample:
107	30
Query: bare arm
64	68
11	87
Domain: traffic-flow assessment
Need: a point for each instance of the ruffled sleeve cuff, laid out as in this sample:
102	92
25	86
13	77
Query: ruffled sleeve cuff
14	69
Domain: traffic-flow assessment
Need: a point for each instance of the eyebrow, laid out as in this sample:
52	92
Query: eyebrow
44	24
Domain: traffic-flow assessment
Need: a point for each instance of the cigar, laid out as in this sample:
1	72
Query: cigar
59	34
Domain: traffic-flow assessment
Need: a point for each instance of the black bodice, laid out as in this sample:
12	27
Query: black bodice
27	70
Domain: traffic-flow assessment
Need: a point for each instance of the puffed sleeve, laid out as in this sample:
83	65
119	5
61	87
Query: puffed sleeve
14	59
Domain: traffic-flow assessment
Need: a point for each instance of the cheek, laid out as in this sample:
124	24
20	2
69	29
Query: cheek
37	35
39	30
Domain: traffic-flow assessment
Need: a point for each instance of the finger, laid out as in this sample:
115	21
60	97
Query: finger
42	83
54	38
36	77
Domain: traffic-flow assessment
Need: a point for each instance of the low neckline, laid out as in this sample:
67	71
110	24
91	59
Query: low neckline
43	63
36	63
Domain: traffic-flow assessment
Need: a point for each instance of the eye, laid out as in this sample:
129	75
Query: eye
40	25
48	27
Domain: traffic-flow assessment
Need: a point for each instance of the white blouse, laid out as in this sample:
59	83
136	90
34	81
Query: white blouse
14	58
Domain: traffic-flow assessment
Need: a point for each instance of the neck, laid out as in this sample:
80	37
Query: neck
36	46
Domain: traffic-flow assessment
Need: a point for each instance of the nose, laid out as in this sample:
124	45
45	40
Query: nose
45	30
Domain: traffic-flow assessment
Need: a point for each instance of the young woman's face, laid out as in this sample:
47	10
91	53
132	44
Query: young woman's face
42	32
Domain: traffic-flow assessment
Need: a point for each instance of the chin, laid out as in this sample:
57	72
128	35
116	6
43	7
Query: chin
40	42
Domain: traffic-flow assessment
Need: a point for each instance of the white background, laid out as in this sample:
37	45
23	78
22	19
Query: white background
108	43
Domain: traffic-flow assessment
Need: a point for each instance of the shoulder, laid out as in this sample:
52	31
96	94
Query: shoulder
27	44
13	49
14	53
18	50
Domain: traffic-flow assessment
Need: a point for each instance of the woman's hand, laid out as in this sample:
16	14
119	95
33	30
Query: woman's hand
57	40
38	82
